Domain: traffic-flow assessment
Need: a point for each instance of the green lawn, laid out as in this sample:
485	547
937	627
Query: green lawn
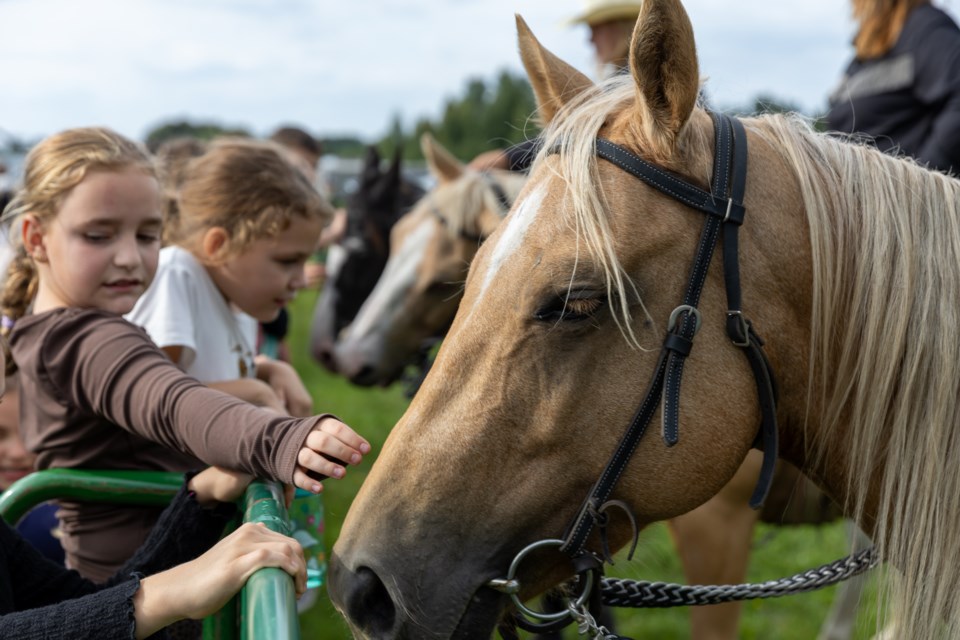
778	551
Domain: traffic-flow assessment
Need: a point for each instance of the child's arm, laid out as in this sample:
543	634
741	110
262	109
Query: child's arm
50	601
256	392
201	587
253	390
286	384
99	362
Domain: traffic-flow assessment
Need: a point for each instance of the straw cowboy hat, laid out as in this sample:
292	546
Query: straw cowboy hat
599	11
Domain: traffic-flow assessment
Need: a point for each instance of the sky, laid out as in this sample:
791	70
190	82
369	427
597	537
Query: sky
348	67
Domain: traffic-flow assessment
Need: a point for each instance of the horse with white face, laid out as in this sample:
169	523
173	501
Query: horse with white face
848	264
431	248
355	263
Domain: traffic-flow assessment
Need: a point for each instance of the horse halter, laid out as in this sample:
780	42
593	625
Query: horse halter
724	212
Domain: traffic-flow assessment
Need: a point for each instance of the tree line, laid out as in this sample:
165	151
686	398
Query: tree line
486	114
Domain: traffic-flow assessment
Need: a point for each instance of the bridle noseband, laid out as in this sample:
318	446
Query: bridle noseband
725	213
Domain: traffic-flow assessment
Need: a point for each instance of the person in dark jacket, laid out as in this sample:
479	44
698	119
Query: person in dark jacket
902	88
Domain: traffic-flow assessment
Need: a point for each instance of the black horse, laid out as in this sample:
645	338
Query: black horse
354	264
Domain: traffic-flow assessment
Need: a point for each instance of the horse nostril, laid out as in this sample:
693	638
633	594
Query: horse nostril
325	356
366	376
370	604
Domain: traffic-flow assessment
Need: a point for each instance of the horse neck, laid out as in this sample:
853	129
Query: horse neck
883	236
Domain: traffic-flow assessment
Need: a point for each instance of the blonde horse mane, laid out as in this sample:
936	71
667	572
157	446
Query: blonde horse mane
885	239
465	198
885	348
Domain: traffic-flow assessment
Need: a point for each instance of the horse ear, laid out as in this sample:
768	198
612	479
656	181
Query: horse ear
554	81
388	186
371	166
393	171
663	62
441	162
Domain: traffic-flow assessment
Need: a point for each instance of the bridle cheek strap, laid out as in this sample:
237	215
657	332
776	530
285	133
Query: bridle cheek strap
724	215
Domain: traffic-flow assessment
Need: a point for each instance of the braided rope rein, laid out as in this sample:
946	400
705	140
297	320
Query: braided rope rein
616	592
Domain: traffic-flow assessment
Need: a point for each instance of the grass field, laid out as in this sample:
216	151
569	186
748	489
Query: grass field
777	551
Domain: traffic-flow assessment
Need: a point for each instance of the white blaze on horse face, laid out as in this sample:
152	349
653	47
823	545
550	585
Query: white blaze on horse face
398	277
512	237
336	256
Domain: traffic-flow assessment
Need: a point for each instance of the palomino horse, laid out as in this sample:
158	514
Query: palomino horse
713	541
848	265
356	262
430	251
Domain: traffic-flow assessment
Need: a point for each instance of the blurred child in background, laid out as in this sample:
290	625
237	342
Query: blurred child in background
39	527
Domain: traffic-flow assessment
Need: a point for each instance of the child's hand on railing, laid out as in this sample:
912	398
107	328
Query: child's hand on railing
201	587
327	450
215	484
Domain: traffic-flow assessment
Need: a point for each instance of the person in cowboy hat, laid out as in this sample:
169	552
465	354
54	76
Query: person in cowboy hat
611	25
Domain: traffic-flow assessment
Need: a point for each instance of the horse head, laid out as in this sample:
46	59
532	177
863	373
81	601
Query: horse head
847	260
430	251
356	262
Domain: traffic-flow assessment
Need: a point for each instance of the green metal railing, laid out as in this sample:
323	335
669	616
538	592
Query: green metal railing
268	601
268	606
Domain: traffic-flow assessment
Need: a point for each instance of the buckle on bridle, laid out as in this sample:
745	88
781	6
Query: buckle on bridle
742	326
684	308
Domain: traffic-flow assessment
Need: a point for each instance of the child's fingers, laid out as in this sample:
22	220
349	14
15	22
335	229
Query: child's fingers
269	554
343	433
303	480
330	447
313	461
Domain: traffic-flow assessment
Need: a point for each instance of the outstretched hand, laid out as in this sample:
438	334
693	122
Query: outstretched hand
327	450
201	587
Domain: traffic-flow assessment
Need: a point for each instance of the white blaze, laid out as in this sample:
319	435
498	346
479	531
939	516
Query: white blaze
398	277
512	236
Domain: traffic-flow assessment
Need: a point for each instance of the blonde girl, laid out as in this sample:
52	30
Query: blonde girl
246	221
96	391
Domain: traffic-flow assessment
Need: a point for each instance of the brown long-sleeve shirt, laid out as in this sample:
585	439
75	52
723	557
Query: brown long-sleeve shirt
96	393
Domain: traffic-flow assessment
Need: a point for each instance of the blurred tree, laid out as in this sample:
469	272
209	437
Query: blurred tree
344	146
766	103
200	130
486	116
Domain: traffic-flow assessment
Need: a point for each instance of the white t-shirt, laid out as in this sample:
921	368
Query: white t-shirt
183	307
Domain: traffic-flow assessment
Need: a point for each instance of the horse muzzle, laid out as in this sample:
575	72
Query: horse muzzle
374	608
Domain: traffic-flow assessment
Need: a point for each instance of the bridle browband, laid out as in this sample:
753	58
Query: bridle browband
725	213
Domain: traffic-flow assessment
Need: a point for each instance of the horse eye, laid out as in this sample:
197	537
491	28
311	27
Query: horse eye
572	309
443	289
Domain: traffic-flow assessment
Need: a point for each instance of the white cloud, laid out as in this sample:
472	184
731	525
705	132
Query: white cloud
339	66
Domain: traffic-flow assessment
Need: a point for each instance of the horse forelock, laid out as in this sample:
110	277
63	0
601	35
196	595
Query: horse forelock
885	354
460	203
571	140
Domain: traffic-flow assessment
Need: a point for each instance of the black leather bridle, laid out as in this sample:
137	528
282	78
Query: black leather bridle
725	213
